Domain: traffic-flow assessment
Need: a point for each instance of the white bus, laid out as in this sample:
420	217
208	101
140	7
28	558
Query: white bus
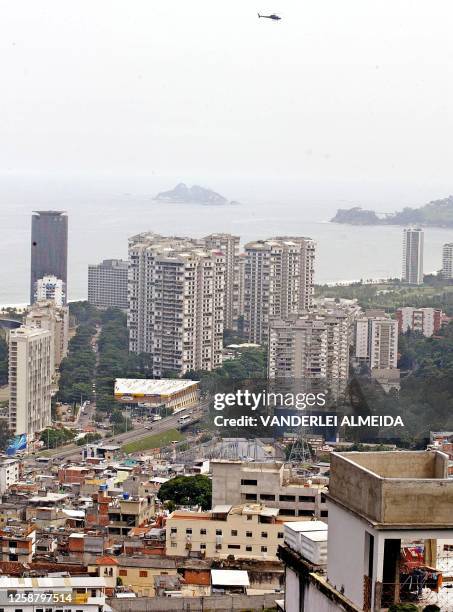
184	419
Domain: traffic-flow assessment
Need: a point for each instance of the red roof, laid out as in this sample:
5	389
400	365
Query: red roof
106	560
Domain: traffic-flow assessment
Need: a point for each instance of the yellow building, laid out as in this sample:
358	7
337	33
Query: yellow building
134	572
250	531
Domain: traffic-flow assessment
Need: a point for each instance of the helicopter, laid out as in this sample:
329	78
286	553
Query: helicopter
274	17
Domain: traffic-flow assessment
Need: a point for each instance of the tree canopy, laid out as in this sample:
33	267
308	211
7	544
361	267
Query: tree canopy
188	491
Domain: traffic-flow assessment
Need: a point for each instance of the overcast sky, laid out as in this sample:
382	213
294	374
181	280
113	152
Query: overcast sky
337	89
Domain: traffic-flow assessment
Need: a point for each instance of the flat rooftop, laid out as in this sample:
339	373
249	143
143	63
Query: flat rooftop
164	387
396	489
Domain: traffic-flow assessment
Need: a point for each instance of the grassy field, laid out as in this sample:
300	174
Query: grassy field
152	441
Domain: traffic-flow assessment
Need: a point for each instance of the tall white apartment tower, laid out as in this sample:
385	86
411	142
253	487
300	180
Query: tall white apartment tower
30	378
278	281
447	260
44	314
310	346
50	288
176	303
229	245
413	256
376	342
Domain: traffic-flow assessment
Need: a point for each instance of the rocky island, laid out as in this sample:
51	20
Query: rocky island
438	213
182	194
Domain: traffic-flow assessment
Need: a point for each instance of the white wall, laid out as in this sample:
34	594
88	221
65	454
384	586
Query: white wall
315	601
346	554
292	592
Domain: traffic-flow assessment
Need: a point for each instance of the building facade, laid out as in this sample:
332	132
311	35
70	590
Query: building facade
270	483
426	321
107	284
176	303
278	281
447	260
413	240
229	245
310	346
49	248
249	531
376	342
50	288
46	315
9	473
30	378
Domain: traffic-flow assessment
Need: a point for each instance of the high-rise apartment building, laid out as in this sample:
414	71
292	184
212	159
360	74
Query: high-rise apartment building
413	256
176	303
30	378
447	260
310	346
50	288
46	315
376	342
278	281
49	247
426	321
107	284
229	245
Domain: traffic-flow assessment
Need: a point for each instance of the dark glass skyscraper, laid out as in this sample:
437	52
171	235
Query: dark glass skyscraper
49	246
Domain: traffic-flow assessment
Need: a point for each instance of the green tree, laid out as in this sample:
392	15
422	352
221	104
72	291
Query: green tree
188	491
90	437
5	435
52	438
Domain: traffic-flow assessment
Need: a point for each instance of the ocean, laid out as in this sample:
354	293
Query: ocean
104	213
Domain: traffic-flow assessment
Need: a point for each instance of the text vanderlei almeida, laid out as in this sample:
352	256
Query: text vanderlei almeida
252	401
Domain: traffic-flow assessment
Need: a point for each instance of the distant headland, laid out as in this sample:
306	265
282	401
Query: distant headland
182	194
438	213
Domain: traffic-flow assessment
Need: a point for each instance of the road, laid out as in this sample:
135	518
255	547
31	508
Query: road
171	422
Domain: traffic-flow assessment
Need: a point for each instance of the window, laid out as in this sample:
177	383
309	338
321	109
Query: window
288	498
174	545
202	546
288	511
143	574
249	483
248	534
174	530
122	572
189	531
280	535
264	534
234	546
306	513
234	532
248	548
307	498
202	531
218	532
263	548
251	496
267	497
324	513
249	517
323	498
